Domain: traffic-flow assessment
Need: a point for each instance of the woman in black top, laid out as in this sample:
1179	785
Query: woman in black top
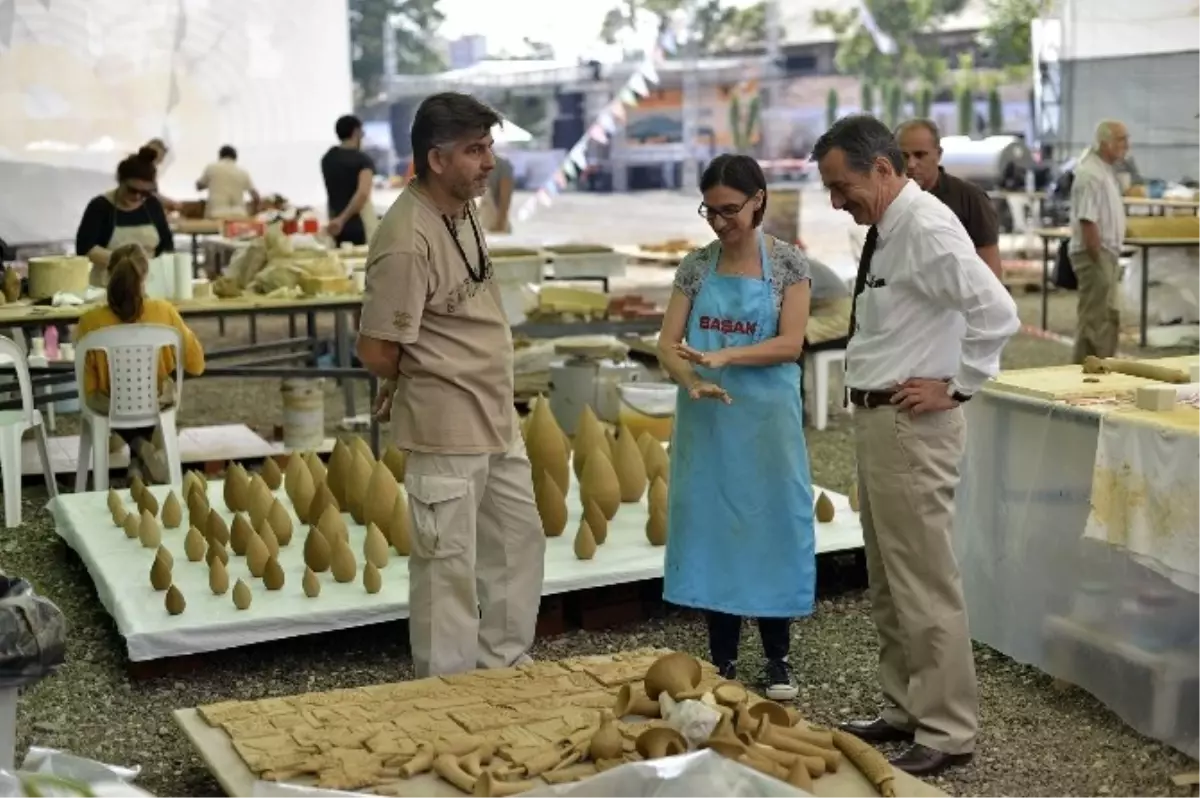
130	214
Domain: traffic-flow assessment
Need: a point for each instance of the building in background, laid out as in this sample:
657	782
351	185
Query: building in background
466	51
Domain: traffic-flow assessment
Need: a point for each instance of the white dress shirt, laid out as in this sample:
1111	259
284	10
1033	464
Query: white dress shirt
1096	197
931	308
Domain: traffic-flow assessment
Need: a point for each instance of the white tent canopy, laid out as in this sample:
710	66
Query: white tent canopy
509	133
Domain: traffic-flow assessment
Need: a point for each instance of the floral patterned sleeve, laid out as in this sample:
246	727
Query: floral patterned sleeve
690	273
790	264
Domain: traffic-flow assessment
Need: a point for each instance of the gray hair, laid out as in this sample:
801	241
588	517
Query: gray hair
445	119
863	138
1105	131
927	124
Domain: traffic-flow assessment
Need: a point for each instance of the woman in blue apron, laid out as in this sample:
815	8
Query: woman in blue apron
740	520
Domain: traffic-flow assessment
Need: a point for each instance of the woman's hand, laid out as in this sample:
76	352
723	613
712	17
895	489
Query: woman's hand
707	390
710	360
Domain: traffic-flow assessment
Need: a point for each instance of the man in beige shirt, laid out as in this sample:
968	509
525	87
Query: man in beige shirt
227	185
434	328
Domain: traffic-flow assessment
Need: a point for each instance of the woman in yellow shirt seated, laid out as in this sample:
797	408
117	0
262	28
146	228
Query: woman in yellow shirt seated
127	304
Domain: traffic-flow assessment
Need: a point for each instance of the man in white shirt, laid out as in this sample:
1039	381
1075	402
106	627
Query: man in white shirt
227	185
929	322
1097	232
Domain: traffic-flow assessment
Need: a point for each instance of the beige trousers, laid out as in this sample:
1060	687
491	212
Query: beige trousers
1098	318
478	552
907	473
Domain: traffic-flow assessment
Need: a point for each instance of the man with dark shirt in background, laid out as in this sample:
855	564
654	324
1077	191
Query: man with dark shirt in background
921	142
349	173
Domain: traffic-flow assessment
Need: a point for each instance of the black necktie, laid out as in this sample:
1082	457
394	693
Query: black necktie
860	280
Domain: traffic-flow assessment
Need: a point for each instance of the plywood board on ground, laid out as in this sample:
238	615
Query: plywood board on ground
543	702
1058	383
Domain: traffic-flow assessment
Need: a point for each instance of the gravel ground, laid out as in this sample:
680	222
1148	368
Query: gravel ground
1035	739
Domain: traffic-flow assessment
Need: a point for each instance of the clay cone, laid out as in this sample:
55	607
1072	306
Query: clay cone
658	495
630	468
216	551
149	532
193	544
172	513
273	574
266	533
160	574
341	463
146	502
599	483
257	556
218	577
242	595
333	527
290	474
658	465
551	504
656	527
236	489
852	495
343	564
198	510
114	501
316	551
607	742
585	543
215	529
118	515
303	495
396	462
398	526
239	535
311	584
165	556
356	490
271	473
132	525
380	497
316	468
175	602
281	523
359	445
372	579
589	434
545	446
824	508
596	521
136	486
322	500
375	547
261	498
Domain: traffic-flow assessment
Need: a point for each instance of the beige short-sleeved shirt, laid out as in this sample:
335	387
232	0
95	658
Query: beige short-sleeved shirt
454	394
227	185
1096	197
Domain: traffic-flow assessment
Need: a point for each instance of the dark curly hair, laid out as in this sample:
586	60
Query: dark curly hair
139	166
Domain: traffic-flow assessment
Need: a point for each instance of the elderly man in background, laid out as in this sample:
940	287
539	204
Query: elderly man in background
1097	232
227	185
928	324
921	142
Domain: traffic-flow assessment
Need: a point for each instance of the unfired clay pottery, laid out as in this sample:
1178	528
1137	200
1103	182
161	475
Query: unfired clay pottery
446	766
136	487
356	489
730	694
160	575
271	473
190	483
273	574
311	584
114	501
266	533
132	525
218	577
172	512
852	495
239	535
261	498
341	462
776	712
380	496
316	468
824	508
599	483
147	503
359	445
149	532
585	544
396	462
596	520
397	531
489	786
659	742
257	555
675	674
372	579
656	527
658	465
216	551
290	474
375	547
632	701
281	523
165	556
303	495
342	563
193	544
12	284
316	551
323	498
607	742
215	529
197	509
333	526
242	595
175	602
236	489
545	446
630	468
551	504
589	434
658	495
118	515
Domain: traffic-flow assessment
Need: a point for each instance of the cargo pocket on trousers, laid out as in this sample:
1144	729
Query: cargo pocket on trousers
440	515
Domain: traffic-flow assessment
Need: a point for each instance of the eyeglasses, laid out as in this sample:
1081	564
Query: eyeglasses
138	193
725	211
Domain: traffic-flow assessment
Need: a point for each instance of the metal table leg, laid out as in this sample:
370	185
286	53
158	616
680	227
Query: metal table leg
1045	283
1145	303
341	336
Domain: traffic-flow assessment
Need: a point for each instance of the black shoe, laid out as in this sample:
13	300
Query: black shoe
921	760
876	731
728	671
779	680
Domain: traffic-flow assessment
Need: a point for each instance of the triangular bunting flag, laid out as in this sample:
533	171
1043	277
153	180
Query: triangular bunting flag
617	110
605	121
569	168
551	187
627	96
648	70
543	197
597	134
560	179
637	84
578	155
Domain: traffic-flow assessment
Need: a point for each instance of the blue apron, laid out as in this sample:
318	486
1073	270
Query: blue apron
740	521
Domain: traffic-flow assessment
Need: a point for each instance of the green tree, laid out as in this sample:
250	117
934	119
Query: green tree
867	98
923	102
995	111
414	22
717	27
832	104
530	112
906	22
894	105
966	111
1006	35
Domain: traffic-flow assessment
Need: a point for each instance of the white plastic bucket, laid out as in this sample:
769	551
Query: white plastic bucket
303	414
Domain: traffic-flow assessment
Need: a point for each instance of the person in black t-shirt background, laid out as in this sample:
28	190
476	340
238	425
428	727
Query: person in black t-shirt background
349	173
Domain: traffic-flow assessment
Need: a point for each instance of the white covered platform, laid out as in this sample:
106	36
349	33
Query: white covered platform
120	568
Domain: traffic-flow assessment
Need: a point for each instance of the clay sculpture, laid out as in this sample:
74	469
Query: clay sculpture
256	555
852	495
218	577
380	497
242	595
551	504
216	551
359	445
273	574
311	584
266	533
149	532
659	742
868	761
261	499
131	525
165	556
546	448
658	465
316	468
360	479
303	495
239	535
630	467
341	463
659	493
585	544
322	500
197	509
656	527
342	563
271	473
375	547
215	529
372	579
396	462
114	501
295	465
316	551
281	523
489	786
119	514
632	701
146	502
172	512
333	526
730	694
160	574
607	742
136	488
236	489
599	483
175	602
824	509
596	520
589	434
193	544
397	531
675	674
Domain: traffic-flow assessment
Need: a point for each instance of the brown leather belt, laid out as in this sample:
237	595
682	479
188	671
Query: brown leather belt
870	399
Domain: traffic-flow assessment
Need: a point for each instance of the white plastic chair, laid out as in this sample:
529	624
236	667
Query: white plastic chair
821	364
13	424
132	351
